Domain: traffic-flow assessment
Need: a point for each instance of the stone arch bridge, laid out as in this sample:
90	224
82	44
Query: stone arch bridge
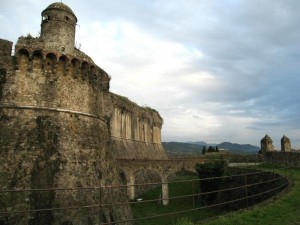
165	168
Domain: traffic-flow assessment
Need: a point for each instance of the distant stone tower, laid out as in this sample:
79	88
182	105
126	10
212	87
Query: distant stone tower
266	144
285	144
58	28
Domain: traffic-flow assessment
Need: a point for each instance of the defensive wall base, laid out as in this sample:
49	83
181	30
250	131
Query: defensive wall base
276	157
43	153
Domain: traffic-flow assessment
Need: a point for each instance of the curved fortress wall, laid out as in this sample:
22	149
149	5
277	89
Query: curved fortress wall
53	135
61	127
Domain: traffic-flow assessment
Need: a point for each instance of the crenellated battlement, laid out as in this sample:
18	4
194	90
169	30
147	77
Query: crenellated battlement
78	67
5	48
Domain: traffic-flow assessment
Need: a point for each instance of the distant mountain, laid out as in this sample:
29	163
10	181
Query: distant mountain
182	148
200	143
238	148
191	148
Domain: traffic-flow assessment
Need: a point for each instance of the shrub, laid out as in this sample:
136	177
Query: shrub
205	172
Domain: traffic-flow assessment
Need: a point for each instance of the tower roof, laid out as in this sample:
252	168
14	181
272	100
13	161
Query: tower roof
60	6
267	137
285	138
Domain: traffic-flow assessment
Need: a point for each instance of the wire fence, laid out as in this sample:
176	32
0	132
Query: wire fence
250	187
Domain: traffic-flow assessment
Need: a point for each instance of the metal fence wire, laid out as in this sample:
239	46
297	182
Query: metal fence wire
246	191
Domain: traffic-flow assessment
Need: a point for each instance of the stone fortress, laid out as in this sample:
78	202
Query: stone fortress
267	144
285	156
60	126
63	134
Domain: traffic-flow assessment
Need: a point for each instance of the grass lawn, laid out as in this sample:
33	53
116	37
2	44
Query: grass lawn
283	211
143	209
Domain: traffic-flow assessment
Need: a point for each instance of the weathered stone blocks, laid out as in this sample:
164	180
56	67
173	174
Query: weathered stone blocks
61	131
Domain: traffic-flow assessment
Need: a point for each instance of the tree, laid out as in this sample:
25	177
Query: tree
217	149
210	149
204	150
212	170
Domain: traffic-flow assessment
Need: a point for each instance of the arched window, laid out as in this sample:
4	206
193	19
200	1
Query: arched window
75	67
46	17
62	64
50	61
37	59
84	70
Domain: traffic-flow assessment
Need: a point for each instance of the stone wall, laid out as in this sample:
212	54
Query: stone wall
135	130
60	127
49	150
5	63
53	135
276	157
128	149
5	48
243	158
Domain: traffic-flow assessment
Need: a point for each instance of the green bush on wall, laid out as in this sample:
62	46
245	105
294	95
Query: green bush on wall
206	171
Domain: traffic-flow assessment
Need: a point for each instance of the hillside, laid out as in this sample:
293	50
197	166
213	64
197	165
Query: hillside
182	148
192	148
238	148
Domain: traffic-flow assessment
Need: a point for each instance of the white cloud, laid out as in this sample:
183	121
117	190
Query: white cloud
215	70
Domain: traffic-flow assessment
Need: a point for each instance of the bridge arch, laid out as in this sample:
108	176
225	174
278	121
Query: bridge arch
146	180
142	180
164	170
185	169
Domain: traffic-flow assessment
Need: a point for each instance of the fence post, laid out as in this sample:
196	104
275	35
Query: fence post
292	175
246	190
285	170
194	219
275	185
100	204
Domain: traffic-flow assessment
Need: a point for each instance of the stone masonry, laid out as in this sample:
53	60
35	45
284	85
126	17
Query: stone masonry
60	126
285	144
266	144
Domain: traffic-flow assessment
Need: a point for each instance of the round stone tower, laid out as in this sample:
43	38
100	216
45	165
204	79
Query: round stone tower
266	144
285	144
58	28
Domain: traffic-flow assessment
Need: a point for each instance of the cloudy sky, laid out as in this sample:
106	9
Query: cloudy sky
215	70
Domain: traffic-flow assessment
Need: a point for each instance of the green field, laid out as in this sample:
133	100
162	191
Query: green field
144	208
284	210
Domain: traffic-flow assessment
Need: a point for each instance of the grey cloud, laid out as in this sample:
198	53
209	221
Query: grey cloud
250	47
